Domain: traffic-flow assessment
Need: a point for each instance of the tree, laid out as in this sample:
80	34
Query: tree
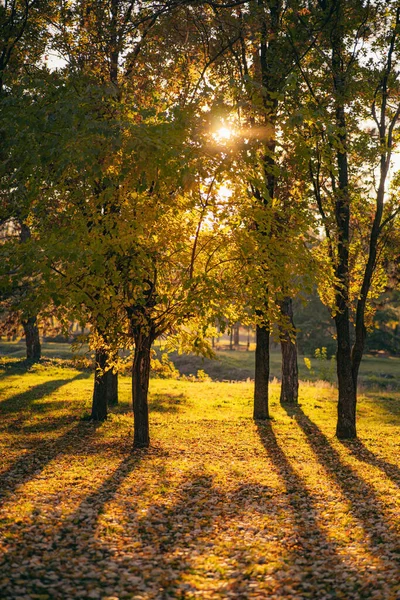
350	40
23	38
111	49
112	161
19	288
156	271
252	49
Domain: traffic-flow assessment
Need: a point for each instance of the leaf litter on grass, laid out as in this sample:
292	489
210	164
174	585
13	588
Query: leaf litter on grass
218	507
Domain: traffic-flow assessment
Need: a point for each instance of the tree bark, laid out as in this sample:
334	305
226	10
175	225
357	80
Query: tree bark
99	401
290	373
346	423
236	334
261	381
112	387
32	340
105	392
271	83
140	387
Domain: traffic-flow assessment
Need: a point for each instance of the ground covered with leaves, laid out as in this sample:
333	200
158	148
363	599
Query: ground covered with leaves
218	507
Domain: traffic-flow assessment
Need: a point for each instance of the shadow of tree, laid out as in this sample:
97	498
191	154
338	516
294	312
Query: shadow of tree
22	426
308	544
71	548
13	366
163	403
366	506
24	400
32	463
45	425
362	453
95	568
158	548
151	552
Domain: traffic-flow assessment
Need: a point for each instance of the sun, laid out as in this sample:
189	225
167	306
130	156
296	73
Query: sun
223	134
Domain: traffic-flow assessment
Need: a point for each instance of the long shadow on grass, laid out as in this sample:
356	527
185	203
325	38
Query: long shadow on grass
183	539
366	506
310	553
177	532
71	550
152	553
169	536
13	366
20	423
25	399
90	509
27	466
46	424
360	451
389	404
170	403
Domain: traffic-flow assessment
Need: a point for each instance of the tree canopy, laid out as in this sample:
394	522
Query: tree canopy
168	166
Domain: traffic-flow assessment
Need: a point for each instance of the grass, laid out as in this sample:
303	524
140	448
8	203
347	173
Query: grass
375	372
218	507
238	365
17	349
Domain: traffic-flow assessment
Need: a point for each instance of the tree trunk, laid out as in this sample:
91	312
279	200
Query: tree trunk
236	334
231	338
112	387
100	391
33	347
140	387
290	373
261	381
346	423
271	83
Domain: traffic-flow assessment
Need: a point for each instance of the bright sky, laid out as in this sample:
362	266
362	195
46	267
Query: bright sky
54	61
224	192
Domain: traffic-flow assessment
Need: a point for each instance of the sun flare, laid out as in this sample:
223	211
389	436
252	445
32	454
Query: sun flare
223	134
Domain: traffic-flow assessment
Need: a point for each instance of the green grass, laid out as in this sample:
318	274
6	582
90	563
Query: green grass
218	507
17	349
238	365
